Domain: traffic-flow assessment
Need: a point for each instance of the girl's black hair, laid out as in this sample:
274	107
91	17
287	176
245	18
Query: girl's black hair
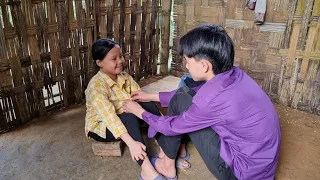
100	49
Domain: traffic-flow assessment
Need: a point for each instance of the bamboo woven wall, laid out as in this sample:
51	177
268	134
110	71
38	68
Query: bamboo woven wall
44	45
282	55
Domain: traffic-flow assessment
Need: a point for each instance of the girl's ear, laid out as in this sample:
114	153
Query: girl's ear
98	63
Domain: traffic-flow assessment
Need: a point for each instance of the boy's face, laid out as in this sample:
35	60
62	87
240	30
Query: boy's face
199	70
112	64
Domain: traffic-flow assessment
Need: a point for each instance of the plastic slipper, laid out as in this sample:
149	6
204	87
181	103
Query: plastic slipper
153	162
181	160
159	177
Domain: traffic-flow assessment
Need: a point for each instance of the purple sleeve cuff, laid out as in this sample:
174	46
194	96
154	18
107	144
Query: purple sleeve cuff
147	117
165	98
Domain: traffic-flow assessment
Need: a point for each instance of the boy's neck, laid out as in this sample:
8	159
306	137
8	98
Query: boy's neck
209	76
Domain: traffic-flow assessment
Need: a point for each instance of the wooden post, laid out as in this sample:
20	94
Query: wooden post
166	11
157	38
35	57
138	40
127	33
147	40
16	69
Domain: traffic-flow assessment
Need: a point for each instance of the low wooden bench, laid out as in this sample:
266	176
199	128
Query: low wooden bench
107	148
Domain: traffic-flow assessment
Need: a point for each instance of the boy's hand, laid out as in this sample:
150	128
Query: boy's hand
140	96
137	150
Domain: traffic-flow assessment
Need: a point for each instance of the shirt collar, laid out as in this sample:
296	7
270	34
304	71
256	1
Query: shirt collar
121	79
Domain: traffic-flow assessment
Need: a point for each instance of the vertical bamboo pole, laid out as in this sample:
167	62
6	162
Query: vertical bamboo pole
127	32
75	53
138	40
166	10
157	38
147	40
16	69
116	25
102	18
35	57
90	27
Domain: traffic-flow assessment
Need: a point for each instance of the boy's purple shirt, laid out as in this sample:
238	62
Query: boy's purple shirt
235	107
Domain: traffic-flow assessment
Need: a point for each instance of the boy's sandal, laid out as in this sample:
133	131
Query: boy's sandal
181	160
153	162
159	177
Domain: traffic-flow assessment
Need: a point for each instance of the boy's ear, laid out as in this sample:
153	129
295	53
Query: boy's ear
205	65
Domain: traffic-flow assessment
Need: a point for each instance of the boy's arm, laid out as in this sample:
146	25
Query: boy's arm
165	97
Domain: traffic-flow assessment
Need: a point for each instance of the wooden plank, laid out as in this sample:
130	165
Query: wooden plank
107	148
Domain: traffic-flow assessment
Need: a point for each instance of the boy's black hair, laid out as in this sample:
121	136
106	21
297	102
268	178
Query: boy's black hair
210	42
100	49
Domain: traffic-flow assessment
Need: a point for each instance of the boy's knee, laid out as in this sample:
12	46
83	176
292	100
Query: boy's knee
186	90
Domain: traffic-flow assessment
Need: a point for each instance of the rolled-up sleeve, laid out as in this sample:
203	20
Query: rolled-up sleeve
165	97
198	116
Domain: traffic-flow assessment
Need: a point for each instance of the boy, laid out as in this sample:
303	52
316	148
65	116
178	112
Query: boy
229	119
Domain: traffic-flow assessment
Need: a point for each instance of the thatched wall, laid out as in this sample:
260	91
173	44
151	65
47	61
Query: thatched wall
44	45
282	55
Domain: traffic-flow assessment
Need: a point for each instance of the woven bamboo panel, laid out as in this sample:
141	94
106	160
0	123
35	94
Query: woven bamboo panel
282	55
44	45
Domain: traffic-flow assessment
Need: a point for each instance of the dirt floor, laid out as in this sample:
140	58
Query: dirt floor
55	147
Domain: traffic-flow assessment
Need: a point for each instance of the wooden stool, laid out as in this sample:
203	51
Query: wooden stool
107	148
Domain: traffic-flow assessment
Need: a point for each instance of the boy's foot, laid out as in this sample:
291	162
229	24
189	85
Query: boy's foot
164	167
148	172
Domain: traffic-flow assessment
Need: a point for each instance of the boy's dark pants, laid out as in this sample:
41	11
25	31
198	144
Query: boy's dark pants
131	122
206	141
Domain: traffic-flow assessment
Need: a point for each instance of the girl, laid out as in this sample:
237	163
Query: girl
105	94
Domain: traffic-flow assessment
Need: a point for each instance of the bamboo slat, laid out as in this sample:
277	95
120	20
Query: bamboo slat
166	10
282	54
45	50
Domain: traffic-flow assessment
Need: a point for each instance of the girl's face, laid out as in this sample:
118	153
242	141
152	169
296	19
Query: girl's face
112	64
